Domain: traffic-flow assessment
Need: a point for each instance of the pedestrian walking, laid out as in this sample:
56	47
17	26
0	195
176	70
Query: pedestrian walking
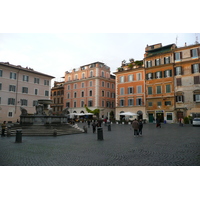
94	125
3	128
158	123
140	127
181	121
135	126
88	123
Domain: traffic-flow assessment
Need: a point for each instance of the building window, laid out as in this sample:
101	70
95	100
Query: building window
25	78
46	93
68	95
168	73
91	74
108	85
121	91
90	83
150	91
102	74
10	114
24	102
130	102
139	89
46	82
69	78
148	64
83	75
1	72
196	80
82	85
121	102
11	101
13	75
74	94
169	116
130	90
166	60
25	90
121	79
178	71
139	76
108	94
157	62
102	93
35	103
168	89
82	103
149	76
138	101
82	94
177	56
197	97
36	91
179	82
158	89
103	83
89	103
103	104
168	103
74	104
113	86
12	88
158	74
180	98
76	77
195	68
90	93
150	104
108	104
0	86
75	86
194	53
37	80
159	103
130	77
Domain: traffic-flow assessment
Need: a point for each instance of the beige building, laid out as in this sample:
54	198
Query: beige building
90	85
21	87
187	80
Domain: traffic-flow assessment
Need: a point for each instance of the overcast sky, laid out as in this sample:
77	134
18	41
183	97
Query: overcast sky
54	54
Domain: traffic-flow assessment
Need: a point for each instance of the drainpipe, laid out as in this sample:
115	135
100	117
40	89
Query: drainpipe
16	96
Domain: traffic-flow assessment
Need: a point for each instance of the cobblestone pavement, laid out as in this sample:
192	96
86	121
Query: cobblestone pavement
170	145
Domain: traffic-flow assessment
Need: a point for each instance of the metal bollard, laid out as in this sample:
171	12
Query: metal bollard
99	133
18	138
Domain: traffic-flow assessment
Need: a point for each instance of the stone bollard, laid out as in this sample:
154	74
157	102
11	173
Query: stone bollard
99	133
18	138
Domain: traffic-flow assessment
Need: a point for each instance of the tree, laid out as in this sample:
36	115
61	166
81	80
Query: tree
95	111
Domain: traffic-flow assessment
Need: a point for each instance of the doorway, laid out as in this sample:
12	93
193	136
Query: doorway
151	118
160	116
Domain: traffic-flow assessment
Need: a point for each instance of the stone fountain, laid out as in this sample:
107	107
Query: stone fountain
43	115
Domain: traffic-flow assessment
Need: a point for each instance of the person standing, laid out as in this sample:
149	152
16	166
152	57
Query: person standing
140	127
3	128
94	127
181	121
135	126
158	124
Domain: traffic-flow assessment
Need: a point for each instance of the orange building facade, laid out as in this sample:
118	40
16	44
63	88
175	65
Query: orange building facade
130	90
159	72
90	85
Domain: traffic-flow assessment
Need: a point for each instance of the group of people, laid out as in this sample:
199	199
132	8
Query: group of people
95	124
137	127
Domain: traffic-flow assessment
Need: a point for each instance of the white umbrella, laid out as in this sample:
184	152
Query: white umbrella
128	114
88	114
79	114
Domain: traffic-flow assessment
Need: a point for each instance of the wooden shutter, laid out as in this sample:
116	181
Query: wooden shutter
176	98
192	70
170	72
198	51
194	97
180	55
190	52
183	98
196	79
178	82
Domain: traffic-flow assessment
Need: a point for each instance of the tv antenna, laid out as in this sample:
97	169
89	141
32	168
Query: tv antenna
176	40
